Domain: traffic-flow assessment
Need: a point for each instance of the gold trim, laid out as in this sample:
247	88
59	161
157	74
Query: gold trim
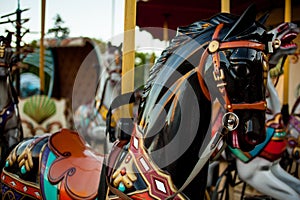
40	162
2	51
14	176
220	76
153	165
111	197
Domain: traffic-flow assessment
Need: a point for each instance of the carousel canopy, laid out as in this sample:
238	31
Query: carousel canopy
174	13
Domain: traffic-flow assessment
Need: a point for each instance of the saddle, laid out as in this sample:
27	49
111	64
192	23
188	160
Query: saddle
61	161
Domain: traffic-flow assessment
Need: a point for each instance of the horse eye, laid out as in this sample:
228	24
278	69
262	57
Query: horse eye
240	70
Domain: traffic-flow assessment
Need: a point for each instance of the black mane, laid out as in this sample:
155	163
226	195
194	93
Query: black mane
203	28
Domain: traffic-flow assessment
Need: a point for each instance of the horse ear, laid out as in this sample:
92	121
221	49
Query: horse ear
120	46
248	17
109	44
8	38
263	19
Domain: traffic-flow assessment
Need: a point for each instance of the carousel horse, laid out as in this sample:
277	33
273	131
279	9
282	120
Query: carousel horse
10	125
264	172
90	119
166	149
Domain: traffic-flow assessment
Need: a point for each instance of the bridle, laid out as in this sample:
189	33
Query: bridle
117	60
213	50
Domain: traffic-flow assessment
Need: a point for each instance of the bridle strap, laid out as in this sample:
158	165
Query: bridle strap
213	49
242	43
261	105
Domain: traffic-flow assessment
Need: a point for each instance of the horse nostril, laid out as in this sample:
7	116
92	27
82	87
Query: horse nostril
251	134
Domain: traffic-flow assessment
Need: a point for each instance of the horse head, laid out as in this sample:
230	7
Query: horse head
283	36
7	91
237	78
224	60
112	62
5	50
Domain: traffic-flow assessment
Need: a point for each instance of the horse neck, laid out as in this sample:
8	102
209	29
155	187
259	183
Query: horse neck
5	91
110	91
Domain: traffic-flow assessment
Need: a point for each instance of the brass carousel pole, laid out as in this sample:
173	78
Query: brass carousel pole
285	106
225	6
41	72
129	46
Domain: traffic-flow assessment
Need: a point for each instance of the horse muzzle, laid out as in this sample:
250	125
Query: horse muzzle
249	133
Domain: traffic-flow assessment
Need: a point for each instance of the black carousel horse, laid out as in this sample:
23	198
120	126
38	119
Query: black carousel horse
164	153
10	125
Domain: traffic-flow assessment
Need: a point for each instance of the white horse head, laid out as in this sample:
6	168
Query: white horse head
90	119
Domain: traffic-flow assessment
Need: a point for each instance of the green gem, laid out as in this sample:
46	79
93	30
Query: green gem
23	169
7	164
121	187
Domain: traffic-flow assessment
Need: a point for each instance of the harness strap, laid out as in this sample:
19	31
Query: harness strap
213	49
116	191
258	106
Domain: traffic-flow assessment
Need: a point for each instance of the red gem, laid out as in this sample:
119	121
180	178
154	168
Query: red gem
123	171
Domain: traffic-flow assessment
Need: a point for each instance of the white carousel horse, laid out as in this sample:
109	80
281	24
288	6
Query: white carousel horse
90	119
264	172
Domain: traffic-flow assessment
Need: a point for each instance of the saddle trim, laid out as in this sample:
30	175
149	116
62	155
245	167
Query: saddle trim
24	187
160	184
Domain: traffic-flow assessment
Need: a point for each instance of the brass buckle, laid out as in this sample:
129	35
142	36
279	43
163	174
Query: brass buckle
220	76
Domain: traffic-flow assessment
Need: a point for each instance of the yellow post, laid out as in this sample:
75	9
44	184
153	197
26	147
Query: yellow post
287	18
225	6
128	51
41	72
165	30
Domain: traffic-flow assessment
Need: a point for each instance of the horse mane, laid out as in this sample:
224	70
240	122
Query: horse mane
183	36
